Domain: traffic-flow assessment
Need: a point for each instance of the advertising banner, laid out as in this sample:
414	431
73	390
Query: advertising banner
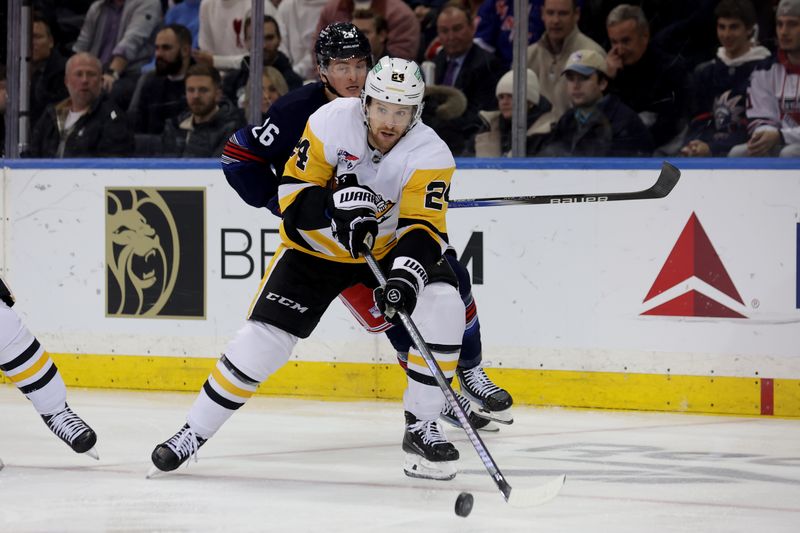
166	262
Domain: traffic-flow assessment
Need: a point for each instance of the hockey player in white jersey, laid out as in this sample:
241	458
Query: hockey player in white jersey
25	362
364	173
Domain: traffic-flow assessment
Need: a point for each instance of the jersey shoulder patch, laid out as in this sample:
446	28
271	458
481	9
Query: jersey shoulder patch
337	120
428	149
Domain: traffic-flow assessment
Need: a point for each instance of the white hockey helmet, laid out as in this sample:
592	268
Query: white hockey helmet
395	80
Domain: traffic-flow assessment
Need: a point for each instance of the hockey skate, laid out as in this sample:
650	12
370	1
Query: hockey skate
478	422
173	452
493	402
70	428
428	453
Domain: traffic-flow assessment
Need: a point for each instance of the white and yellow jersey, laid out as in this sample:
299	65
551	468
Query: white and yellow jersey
412	181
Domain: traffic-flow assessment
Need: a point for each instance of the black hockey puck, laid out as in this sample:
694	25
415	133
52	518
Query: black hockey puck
464	504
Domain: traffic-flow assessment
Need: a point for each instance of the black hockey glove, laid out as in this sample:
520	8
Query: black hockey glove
406	279
5	294
352	209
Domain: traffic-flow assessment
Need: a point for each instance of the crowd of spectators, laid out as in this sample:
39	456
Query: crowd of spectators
171	78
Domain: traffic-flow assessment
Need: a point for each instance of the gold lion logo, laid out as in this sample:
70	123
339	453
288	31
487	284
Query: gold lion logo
142	251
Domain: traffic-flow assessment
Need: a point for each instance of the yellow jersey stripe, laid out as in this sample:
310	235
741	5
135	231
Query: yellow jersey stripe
32	370
319	238
228	386
278	253
287	194
383	245
446	366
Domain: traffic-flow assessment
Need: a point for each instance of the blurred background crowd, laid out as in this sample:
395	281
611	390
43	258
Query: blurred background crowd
170	78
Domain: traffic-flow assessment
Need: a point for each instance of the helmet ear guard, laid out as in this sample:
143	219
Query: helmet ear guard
397	81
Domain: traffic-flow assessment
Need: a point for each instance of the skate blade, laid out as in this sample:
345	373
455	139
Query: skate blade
154	472
489	428
92	453
419	467
1	464
501	417
533	496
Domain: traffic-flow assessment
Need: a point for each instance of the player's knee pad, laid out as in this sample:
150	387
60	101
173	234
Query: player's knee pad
439	317
259	349
439	314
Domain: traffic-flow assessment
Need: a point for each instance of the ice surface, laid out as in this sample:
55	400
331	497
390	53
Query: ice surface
300	465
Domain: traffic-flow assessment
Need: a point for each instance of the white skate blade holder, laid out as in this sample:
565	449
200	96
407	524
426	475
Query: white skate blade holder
419	467
92	453
501	417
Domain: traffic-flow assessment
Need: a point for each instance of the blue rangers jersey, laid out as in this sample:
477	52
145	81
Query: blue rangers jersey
254	157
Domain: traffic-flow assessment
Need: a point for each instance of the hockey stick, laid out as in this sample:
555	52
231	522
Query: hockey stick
528	497
664	184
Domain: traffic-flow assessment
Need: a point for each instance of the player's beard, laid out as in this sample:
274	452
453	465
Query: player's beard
169	68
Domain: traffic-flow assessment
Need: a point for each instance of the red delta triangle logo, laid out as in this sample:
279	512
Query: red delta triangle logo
693	256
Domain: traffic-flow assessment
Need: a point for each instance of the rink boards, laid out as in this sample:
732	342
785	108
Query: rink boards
135	274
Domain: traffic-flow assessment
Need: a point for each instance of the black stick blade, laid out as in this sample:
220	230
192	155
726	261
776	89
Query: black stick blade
666	181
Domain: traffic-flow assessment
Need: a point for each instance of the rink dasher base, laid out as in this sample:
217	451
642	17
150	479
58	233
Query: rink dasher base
358	381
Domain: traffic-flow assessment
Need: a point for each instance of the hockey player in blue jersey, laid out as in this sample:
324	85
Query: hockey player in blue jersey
253	162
